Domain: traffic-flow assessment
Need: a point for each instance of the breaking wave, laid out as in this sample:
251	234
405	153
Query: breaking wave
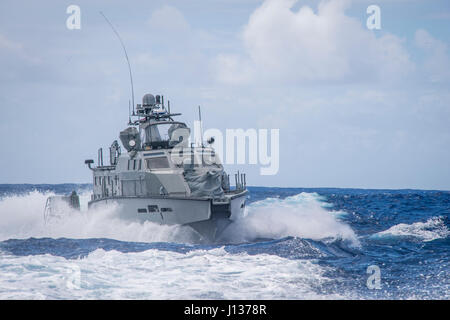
303	215
433	229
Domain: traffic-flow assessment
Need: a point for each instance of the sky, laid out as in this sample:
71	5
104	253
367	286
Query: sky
355	108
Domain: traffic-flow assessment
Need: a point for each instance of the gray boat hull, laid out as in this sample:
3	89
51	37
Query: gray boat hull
206	216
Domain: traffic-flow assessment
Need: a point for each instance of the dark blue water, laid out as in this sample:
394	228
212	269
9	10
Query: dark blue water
413	256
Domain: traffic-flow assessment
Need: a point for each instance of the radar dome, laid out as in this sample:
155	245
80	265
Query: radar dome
148	100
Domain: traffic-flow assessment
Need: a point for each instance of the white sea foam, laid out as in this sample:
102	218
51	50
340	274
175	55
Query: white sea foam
155	274
434	228
304	215
23	217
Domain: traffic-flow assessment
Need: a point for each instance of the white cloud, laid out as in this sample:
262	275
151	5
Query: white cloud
280	44
168	19
11	47
7	44
437	62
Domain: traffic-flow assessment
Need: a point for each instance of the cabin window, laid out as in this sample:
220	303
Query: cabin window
134	164
153	208
143	210
166	210
128	164
140	164
157	163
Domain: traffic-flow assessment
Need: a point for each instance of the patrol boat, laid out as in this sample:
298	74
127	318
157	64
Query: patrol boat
163	178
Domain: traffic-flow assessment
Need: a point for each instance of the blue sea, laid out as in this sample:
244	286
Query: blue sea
291	243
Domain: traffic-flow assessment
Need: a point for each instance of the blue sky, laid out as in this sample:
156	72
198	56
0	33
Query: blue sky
355	107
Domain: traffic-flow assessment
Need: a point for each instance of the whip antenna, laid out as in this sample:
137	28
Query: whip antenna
201	125
126	56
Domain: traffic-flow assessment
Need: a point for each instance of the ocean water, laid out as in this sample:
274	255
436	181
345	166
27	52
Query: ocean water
291	243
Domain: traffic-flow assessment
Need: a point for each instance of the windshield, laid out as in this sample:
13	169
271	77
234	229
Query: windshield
163	134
